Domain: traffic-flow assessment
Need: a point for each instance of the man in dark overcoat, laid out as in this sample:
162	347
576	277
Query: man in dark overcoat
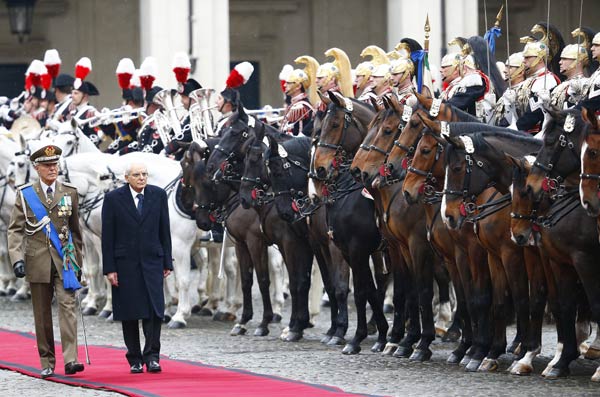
136	251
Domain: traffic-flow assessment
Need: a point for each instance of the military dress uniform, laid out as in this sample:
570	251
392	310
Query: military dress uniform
28	241
298	116
368	95
533	118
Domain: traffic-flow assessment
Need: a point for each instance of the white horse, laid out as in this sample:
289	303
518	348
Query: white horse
8	148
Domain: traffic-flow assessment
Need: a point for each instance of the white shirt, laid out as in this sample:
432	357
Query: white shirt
134	195
45	188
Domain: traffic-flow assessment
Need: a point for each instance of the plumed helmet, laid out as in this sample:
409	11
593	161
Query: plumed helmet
299	76
574	51
469	62
515	60
450	59
535	49
403	66
382	70
328	70
364	69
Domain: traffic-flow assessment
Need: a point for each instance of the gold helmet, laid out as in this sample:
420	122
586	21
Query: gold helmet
299	76
382	70
393	55
403	50
535	49
339	68
378	55
516	60
310	68
364	69
403	66
576	52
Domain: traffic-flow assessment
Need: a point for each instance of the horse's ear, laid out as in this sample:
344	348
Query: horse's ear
455	141
513	161
273	145
395	104
336	98
433	125
324	98
74	124
425	101
23	142
376	104
589	116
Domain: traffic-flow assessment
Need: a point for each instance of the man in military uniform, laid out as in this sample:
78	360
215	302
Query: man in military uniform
125	131
540	81
402	71
148	139
63	85
176	148
298	116
364	83
449	69
593	90
41	211
381	82
513	103
573	62
82	110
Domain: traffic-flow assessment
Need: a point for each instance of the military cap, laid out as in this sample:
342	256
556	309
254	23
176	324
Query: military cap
152	92
88	88
46	154
189	86
64	80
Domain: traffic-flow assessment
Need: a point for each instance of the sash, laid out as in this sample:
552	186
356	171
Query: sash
40	213
69	265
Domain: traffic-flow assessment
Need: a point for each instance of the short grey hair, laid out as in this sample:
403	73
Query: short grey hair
133	163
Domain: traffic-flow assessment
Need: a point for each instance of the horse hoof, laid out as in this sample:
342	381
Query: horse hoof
261	331
104	314
89	311
205	311
196	309
166	319
238	330
464	361
371	329
351	349
596	376
11	291
378	347
293	336
403	352
420	355
556	373
336	341
488	365
2	293
390	348
387	308
514	348
276	319
325	339
454	358
18	298
452	335
225	317
592	353
110	317
521	369
473	365
176	325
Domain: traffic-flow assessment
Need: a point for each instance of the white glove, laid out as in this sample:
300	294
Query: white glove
510	96
4	110
544	96
14	104
125	119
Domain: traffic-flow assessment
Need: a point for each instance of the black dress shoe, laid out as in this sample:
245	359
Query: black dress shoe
153	366
47	372
136	368
73	367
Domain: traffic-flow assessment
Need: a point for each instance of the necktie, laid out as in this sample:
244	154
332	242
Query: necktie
49	195
140	204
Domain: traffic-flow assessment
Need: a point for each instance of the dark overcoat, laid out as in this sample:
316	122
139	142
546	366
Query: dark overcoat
138	248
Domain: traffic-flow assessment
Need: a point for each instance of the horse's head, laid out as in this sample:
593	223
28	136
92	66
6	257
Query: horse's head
227	157
589	185
19	171
208	197
342	131
426	170
387	126
559	156
523	227
255	181
197	152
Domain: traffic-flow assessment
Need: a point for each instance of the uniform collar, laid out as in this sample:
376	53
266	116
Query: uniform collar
301	96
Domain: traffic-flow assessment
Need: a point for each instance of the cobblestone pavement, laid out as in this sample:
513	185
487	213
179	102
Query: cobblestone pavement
308	360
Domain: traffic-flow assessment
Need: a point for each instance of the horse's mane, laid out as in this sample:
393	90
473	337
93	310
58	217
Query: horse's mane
299	146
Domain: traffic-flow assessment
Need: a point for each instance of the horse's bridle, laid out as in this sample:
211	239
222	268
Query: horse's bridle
552	184
430	180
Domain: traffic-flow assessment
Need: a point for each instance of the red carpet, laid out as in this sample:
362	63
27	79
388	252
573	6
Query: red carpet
109	371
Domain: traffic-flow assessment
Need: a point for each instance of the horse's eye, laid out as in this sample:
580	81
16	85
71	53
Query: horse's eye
425	150
387	131
592	153
335	125
456	168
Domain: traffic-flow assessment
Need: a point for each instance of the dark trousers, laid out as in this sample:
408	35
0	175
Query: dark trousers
131	335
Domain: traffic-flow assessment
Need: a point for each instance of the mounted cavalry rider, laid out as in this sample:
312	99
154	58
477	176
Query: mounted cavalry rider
449	69
298	116
381	82
593	91
179	144
334	76
366	82
229	101
125	131
402	71
148	138
514	102
63	85
538	85
573	61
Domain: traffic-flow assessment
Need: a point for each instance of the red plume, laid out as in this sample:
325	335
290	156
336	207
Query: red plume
235	79
124	80
46	81
147	82
28	82
181	74
53	70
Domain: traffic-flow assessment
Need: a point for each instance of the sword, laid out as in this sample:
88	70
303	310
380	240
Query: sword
222	261
85	344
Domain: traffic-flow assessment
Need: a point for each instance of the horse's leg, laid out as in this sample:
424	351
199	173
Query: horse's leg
214	286
339	270
260	261
182	249
381	283
322	259
93	273
276	265
537	303
314	294
399	272
233	300
246	277
202	258
423	269
593	352
567	283
413	332
444	312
